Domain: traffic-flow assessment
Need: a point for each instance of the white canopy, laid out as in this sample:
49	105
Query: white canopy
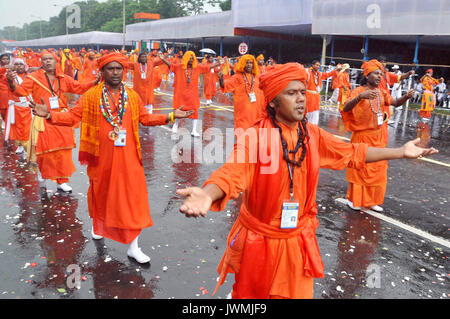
79	39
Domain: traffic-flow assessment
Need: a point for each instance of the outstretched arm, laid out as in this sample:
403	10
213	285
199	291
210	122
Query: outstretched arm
409	150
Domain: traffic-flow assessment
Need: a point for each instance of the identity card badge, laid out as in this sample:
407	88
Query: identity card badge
122	139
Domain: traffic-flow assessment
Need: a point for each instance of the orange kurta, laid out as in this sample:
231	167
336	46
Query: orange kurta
157	77
143	84
367	187
20	130
89	70
313	88
3	94
117	195
246	113
209	83
187	93
54	144
268	261
343	84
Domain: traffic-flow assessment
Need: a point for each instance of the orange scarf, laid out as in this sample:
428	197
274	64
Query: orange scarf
90	124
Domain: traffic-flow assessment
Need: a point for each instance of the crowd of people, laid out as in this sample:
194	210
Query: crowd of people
272	248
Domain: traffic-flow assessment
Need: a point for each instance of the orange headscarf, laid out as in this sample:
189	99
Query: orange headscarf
186	57
112	57
260	57
278	77
240	65
371	66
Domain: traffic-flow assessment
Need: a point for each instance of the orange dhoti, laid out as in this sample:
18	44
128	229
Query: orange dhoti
367	186
20	130
54	152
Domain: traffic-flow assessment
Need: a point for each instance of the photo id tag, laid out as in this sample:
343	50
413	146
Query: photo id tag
122	139
252	97
54	103
93	72
380	118
143	76
289	214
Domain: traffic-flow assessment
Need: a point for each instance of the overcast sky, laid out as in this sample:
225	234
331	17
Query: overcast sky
18	12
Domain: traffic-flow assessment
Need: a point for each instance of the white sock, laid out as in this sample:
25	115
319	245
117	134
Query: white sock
135	252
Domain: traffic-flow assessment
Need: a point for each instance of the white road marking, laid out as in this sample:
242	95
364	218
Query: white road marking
397	223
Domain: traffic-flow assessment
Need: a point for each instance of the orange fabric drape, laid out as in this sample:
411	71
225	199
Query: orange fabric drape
117	195
246	113
266	260
367	187
187	93
54	145
313	88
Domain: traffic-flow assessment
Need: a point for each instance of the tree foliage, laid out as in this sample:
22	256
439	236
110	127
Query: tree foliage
107	16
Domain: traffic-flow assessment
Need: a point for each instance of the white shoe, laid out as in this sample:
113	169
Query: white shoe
195	134
138	255
350	204
94	236
64	187
20	150
377	208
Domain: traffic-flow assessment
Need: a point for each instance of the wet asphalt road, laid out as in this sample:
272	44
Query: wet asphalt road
42	234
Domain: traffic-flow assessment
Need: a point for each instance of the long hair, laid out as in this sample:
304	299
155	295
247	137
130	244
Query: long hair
302	137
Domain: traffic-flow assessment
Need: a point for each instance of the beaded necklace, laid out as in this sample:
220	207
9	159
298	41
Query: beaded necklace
247	83
189	76
378	104
115	121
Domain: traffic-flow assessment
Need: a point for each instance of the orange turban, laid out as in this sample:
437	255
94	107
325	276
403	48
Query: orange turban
46	52
429	71
275	80
240	65
372	65
260	57
112	57
186	57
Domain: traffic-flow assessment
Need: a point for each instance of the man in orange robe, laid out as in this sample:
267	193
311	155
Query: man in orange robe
117	195
165	70
5	60
143	78
428	96
209	80
272	250
261	64
90	69
343	85
313	89
78	62
19	113
186	84
51	146
364	115
248	98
